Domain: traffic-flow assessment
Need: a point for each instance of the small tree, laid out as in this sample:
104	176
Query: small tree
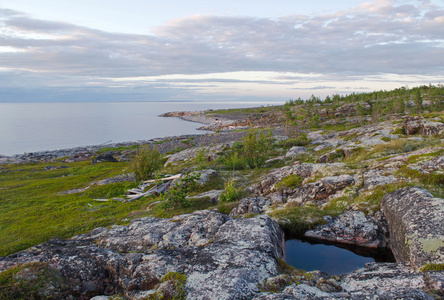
256	147
146	162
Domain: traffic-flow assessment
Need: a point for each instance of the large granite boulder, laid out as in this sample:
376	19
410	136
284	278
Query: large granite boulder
222	258
416	223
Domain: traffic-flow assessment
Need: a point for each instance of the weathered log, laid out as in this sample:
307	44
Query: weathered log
158	189
164	179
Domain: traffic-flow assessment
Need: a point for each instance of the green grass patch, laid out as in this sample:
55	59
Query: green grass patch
117	149
297	220
33	211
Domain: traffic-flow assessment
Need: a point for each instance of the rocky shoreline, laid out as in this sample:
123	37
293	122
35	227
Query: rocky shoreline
164	144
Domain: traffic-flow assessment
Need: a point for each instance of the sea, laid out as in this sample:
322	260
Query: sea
33	127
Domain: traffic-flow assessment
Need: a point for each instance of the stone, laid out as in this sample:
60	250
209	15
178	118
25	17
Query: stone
374	178
104	157
372	141
252	205
212	195
294	151
205	176
266	183
384	281
351	227
210	153
416	223
412	125
431	128
222	258
320	190
304	291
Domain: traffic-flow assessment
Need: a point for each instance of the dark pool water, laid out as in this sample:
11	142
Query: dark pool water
330	258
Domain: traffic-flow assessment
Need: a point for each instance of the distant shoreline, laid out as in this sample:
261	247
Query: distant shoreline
211	124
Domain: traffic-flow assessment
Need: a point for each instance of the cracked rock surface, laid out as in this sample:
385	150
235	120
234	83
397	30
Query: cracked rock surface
223	258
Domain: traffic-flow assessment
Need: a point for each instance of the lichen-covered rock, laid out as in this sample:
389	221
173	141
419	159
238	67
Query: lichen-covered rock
295	151
251	205
352	227
374	177
412	125
205	175
213	195
210	153
265	186
431	128
321	189
384	281
416	222
222	258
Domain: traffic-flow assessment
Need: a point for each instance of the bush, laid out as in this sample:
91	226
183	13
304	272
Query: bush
256	147
230	193
146	162
234	162
177	195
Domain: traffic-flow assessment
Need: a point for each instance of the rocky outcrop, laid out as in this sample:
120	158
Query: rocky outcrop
209	152
222	258
431	128
354	228
374	177
320	190
266	183
416	124
416	223
375	281
294	151
252	205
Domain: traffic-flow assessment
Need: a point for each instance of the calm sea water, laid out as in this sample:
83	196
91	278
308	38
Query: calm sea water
31	127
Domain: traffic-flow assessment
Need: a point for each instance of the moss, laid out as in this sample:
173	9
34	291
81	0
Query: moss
297	220
291	181
31	281
176	291
433	267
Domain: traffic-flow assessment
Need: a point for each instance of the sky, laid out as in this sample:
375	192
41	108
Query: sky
195	50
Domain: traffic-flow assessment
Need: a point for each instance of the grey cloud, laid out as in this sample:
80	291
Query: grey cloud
369	40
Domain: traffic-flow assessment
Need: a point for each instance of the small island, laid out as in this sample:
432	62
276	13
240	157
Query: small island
206	216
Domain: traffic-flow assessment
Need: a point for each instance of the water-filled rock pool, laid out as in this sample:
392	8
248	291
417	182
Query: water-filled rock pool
333	259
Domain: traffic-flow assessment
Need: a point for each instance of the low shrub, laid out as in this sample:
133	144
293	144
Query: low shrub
146	162
230	192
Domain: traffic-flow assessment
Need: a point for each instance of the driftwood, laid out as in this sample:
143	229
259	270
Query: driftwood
164	179
137	193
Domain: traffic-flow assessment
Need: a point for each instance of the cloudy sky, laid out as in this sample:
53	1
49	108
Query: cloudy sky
231	50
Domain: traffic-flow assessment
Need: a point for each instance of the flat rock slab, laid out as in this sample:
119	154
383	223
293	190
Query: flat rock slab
223	258
416	223
374	281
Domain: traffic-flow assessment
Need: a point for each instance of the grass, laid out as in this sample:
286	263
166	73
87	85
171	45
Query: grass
33	211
